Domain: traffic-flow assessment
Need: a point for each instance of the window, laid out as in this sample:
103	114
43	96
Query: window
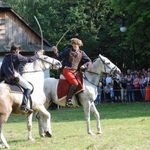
2	28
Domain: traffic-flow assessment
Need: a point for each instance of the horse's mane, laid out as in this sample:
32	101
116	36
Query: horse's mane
30	67
93	64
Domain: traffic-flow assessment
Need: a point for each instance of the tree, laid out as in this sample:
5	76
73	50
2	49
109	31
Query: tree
97	23
136	16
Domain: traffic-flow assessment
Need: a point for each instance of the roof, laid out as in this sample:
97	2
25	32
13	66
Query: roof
22	20
3	5
6	7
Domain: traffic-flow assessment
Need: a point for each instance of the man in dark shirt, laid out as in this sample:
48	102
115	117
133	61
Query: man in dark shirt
73	59
10	72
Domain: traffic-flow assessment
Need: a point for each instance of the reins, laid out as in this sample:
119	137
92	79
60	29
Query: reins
41	70
98	74
105	64
85	77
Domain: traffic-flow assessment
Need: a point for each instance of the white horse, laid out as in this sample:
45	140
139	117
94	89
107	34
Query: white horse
10	102
92	76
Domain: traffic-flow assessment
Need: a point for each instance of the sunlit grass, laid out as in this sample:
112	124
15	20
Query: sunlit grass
124	126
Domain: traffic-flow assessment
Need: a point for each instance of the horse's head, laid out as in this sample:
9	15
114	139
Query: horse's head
43	62
109	68
50	62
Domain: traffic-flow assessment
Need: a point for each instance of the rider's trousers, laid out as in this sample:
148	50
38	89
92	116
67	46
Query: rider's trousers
23	83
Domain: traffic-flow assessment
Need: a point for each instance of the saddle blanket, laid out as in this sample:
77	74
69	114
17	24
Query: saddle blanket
15	88
63	86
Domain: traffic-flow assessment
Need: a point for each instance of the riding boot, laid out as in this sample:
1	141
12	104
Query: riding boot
72	90
24	105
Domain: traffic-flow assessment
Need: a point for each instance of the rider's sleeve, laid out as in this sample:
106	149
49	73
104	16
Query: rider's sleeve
64	54
86	61
61	55
25	59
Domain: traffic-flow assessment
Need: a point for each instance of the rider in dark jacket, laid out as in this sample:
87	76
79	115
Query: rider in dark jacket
10	72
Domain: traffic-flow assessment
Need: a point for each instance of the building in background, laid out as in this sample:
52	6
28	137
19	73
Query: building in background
14	29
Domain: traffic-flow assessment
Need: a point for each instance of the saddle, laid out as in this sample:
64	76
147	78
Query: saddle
63	86
14	88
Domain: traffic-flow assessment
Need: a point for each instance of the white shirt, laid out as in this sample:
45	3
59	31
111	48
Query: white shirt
108	80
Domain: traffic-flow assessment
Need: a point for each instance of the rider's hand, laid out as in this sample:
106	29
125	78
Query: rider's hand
54	49
39	53
82	68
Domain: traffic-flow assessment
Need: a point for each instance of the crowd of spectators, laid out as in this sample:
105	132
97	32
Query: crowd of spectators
130	88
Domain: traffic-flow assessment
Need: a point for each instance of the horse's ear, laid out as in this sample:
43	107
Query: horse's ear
40	52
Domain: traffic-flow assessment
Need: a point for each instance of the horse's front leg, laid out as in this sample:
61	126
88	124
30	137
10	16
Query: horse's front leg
86	107
29	127
3	119
45	121
39	116
97	116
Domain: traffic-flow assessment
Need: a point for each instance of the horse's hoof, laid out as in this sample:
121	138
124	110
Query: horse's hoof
91	133
42	135
31	139
99	132
4	146
47	134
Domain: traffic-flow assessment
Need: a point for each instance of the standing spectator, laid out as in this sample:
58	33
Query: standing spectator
109	87
147	79
117	91
142	86
136	85
123	89
147	85
99	90
129	88
103	85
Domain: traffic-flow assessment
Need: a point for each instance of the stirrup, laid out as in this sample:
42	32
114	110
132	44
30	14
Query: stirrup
27	110
69	103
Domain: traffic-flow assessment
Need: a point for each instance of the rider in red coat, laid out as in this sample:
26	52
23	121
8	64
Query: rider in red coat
73	59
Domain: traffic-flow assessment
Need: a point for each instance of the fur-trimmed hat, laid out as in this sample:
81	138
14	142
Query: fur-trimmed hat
76	41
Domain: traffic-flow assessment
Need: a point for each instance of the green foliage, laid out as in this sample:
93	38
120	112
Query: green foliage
136	16
97	23
84	18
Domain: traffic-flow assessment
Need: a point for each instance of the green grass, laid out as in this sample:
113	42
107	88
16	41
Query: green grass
124	126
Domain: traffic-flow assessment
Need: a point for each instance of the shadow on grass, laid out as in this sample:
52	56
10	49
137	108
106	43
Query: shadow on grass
17	140
19	118
106	110
25	140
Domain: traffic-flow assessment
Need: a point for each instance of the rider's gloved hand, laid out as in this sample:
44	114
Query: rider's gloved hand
83	68
39	53
54	49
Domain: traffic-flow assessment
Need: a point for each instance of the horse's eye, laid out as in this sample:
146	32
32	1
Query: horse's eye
45	58
107	63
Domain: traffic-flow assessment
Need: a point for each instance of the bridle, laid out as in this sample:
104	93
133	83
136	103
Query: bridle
40	70
112	70
86	78
44	60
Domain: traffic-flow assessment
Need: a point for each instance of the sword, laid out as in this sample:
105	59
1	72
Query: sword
40	31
